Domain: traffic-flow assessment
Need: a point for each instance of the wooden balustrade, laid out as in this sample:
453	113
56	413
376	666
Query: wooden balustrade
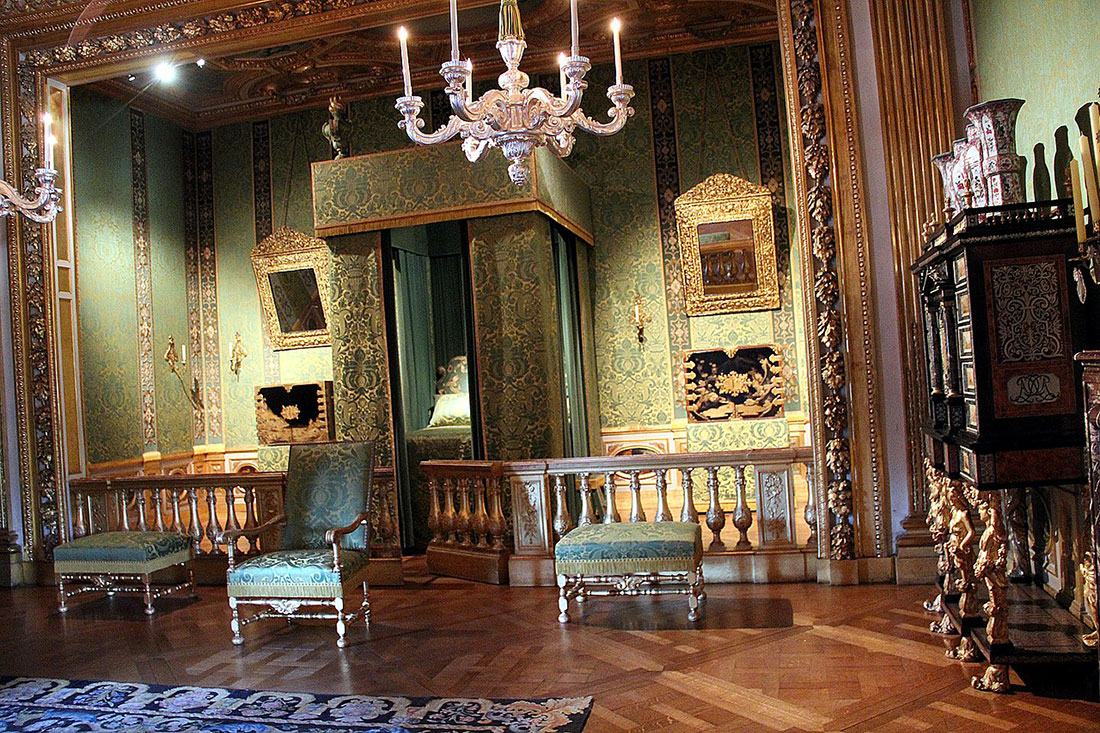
467	521
202	505
765	489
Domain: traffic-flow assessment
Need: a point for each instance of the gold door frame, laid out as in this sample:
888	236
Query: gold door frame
818	73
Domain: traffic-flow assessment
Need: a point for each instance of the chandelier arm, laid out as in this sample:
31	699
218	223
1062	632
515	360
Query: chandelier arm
42	208
443	134
620	95
465	110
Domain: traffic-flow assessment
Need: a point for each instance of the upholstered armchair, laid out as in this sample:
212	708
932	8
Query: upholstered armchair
325	542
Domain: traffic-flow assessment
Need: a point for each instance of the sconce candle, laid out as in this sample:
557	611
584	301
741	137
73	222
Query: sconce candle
403	36
1078	204
1089	169
616	26
1094	120
48	139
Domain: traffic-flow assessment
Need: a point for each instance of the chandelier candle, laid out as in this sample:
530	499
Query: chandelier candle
616	26
515	118
575	29
48	139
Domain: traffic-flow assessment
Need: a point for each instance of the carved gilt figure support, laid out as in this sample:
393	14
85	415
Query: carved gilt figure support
991	568
937	527
961	541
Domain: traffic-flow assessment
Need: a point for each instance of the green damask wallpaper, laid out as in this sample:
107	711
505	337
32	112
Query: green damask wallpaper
105	277
1045	52
519	342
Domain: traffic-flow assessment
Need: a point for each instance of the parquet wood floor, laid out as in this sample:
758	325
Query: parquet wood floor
765	658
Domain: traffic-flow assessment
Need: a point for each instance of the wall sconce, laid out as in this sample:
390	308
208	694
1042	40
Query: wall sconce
237	356
175	360
639	318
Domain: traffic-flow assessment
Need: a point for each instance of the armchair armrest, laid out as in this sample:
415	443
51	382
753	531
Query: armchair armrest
227	537
333	535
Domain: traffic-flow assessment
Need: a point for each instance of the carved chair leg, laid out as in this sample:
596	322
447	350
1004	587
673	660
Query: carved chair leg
148	583
701	583
366	604
61	605
341	627
563	600
191	581
235	624
693	596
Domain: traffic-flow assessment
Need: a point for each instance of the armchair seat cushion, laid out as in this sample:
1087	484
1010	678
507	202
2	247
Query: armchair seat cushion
296	574
122	553
638	547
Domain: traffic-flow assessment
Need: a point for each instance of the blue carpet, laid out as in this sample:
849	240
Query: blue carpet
70	706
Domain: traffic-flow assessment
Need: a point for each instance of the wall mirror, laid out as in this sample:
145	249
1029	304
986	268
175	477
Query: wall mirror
727	247
292	274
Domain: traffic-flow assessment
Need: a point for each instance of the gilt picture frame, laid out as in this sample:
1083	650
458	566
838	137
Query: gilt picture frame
292	276
727	247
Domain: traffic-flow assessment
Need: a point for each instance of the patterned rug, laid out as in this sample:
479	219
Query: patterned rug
68	706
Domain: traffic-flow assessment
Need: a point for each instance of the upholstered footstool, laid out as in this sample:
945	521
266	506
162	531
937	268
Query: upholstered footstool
114	562
642	558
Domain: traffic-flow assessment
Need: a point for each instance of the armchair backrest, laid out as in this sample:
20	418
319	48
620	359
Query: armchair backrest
327	486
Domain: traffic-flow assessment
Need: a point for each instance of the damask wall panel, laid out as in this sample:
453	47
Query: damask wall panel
211	382
519	342
163	142
143	278
192	284
263	215
634	380
238	300
105	283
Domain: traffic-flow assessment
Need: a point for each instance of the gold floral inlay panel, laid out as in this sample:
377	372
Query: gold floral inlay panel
292	275
727	247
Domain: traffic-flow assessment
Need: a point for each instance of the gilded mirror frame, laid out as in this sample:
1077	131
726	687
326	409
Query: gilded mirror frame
286	250
724	198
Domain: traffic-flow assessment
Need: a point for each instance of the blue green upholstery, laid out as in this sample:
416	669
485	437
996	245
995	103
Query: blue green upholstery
327	487
296	574
637	547
122	553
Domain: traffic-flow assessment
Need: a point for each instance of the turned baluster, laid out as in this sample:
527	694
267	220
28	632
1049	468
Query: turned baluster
481	516
742	515
447	523
637	512
79	529
464	511
213	526
498	524
563	521
588	516
231	522
716	516
689	513
88	504
434	523
663	512
611	511
158	508
810	514
194	522
143	519
177	519
250	517
123	509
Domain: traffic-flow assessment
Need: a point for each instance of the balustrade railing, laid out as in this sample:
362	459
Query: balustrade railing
476	505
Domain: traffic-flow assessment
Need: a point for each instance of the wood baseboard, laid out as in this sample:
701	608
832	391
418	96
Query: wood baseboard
457	562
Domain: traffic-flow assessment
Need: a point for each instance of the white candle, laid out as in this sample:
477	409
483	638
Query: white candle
183	353
616	26
1088	168
561	73
1094	119
1078	205
454	30
470	81
575	27
403	36
48	139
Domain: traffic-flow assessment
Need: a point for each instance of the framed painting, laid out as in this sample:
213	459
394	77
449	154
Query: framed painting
292	275
727	247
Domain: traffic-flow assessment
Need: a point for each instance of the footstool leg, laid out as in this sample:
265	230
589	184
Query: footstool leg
147	580
702	589
563	600
366	604
235	624
191	580
61	605
693	596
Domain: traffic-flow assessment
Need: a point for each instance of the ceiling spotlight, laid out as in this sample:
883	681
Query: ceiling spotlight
200	63
165	72
131	77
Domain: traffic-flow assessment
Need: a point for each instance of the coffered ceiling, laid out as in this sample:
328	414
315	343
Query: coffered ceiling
364	60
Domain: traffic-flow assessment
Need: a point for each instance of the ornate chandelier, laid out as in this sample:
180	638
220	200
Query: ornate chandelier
41	206
515	118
